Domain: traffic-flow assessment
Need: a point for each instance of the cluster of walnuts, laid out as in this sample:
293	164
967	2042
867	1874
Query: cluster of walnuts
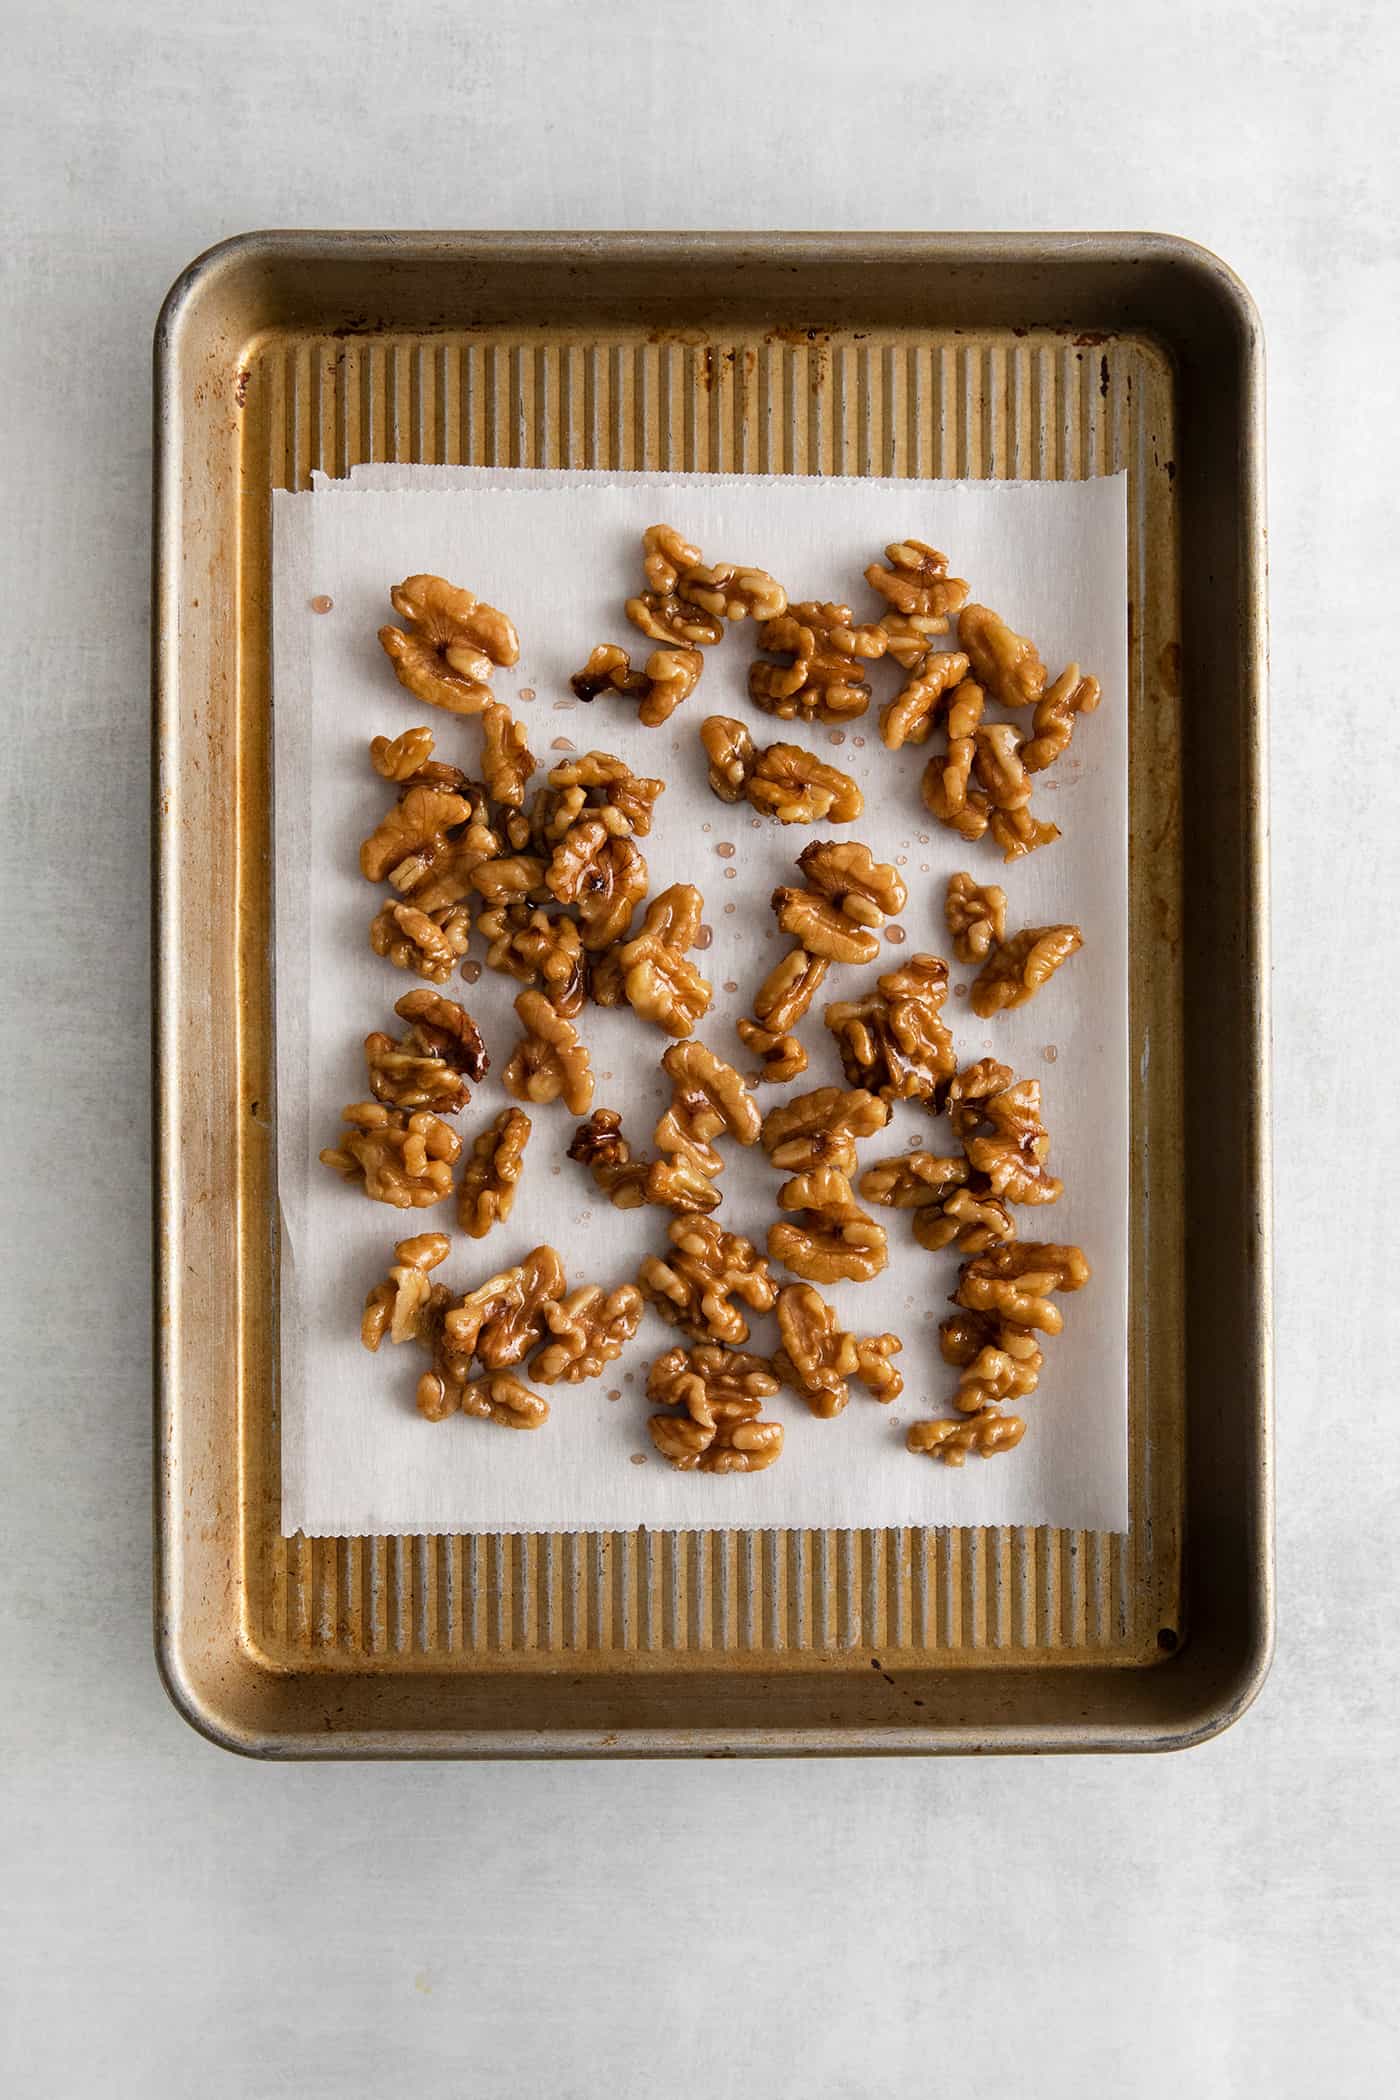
556	882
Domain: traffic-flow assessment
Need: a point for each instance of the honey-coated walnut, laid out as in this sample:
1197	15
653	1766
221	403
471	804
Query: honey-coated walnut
820	1129
416	825
536	946
503	1319
952	1205
506	759
998	1361
695	1283
446	650
919	594
1015	1282
549	1063
405	1160
493	1396
431	1063
893	1041
912	716
952	1438
428	943
401	1308
829	1237
721	1393
486	1190
1005	663
821	682
783	781
596	781
819	1358
587	1327
604	877
652	970
976	915
600	1146
671	676
1055	716
1016	969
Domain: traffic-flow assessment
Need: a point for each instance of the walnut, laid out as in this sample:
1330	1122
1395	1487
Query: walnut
1003	661
722	1392
920	595
969	1091
1013	1282
781	1057
445	872
708	1099
506	759
652	971
426	942
600	1146
783	998
712	1384
431	1063
503	1319
603	877
821	928
510	878
671	676
416	825
664	554
1006	1141
864	890
452	641
496	1397
533	946
797	787
486	1190
996	761
998	1361
604	784
1055	715
830	1236
1016	969
1017	832
589	1327
818	1358
681	627
694	1285
951	1202
820	1128
731	593
402	1306
730	750
893	1040
731	1447
913	714
549	1063
821	683
406	1160
976	915
951	1439
402	758
947	795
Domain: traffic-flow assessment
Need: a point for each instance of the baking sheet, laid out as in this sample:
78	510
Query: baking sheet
560	556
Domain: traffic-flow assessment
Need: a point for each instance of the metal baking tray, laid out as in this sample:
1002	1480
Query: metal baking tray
919	355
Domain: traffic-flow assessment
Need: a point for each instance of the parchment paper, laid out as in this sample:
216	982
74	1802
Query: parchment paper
560	553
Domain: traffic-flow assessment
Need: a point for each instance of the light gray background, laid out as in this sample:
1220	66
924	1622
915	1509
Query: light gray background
171	1919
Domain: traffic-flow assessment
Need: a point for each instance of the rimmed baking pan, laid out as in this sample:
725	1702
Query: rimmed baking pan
928	356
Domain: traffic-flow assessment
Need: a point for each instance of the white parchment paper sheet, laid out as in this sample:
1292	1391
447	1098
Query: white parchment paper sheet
560	552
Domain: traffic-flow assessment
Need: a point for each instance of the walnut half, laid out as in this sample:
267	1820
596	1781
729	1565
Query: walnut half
986	1433
784	781
894	1041
829	1236
549	1062
695	1283
448	645
721	1394
431	1063
1016	969
819	1358
402	1307
486	1191
405	1160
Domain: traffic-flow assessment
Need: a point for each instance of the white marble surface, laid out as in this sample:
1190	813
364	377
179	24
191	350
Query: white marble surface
1220	1923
